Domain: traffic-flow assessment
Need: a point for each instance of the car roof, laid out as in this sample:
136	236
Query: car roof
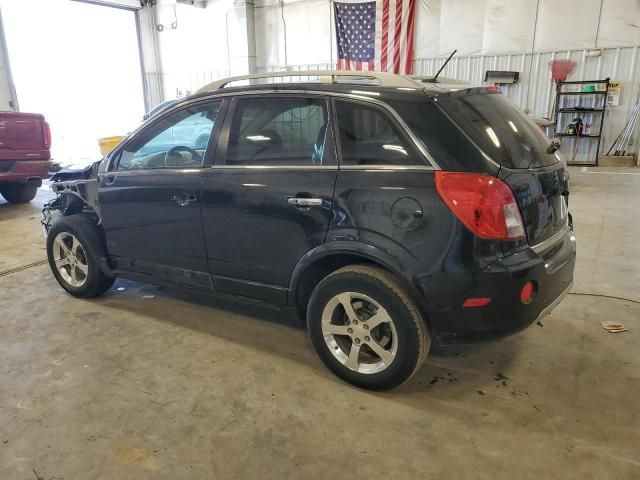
377	85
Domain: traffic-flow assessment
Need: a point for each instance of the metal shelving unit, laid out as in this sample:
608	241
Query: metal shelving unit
597	102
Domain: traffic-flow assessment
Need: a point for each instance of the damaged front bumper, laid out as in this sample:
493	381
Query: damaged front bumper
76	192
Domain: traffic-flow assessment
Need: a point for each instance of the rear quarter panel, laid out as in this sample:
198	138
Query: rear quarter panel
400	213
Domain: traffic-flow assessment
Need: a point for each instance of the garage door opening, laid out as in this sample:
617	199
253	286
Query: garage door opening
79	65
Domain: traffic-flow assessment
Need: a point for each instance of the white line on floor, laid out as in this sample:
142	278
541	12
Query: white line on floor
614	173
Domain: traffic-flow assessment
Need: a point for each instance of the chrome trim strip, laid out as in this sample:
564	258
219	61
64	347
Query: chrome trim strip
152	171
324	167
387	167
274	167
542	246
549	308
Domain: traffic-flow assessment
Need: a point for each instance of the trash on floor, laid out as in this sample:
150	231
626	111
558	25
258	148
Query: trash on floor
613	327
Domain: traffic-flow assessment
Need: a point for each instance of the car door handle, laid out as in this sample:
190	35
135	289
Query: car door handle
304	202
184	200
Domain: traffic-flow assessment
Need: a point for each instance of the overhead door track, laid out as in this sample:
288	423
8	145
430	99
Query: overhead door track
132	5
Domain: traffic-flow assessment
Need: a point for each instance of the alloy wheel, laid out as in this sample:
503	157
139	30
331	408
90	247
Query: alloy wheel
359	332
70	259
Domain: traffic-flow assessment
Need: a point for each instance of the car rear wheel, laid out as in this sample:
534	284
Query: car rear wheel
74	247
366	329
18	192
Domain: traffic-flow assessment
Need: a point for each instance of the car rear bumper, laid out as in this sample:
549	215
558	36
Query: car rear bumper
549	265
17	171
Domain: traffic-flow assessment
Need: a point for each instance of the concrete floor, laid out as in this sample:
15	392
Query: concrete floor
149	384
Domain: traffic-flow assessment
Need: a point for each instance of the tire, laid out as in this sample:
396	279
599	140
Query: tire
389	350
79	273
18	192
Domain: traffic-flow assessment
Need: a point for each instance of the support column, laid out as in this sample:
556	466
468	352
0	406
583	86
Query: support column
8	96
245	11
150	60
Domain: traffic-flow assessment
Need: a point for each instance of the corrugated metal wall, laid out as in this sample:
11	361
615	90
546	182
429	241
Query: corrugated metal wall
534	92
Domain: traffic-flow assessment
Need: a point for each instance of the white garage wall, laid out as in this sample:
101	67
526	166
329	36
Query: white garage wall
201	47
473	27
522	35
509	29
308	31
211	40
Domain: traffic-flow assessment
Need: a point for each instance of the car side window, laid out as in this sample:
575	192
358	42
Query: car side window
178	140
280	131
369	137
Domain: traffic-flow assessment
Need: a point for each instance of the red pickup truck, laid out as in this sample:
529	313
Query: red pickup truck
25	142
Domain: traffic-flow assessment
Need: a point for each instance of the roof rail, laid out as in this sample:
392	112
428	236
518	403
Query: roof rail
326	76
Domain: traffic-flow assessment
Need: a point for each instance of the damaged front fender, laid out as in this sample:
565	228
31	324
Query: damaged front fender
77	192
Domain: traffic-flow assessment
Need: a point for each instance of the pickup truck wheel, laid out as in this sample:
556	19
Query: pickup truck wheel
18	192
73	249
366	329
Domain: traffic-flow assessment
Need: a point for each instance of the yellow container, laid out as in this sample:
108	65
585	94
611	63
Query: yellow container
108	143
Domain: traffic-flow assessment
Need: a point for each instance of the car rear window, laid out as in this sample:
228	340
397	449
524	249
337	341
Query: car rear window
500	129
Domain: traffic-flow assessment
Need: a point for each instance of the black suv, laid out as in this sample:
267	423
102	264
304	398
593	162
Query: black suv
388	210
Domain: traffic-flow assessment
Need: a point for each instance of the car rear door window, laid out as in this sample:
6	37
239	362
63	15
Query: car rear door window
280	131
368	136
178	140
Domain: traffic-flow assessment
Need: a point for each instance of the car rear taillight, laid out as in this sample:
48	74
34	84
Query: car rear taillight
476	302
46	133
484	204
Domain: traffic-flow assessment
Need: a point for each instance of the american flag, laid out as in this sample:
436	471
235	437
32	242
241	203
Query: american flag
375	35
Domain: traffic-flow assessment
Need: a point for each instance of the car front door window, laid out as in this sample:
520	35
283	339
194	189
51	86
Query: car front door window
178	140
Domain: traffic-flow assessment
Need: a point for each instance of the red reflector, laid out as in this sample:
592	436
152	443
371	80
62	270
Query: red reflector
492	89
46	132
528	293
485	204
476	302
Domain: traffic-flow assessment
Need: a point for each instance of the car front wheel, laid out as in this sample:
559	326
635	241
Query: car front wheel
74	247
366	329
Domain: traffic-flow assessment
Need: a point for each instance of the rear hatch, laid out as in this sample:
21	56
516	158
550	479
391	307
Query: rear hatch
24	136
512	140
